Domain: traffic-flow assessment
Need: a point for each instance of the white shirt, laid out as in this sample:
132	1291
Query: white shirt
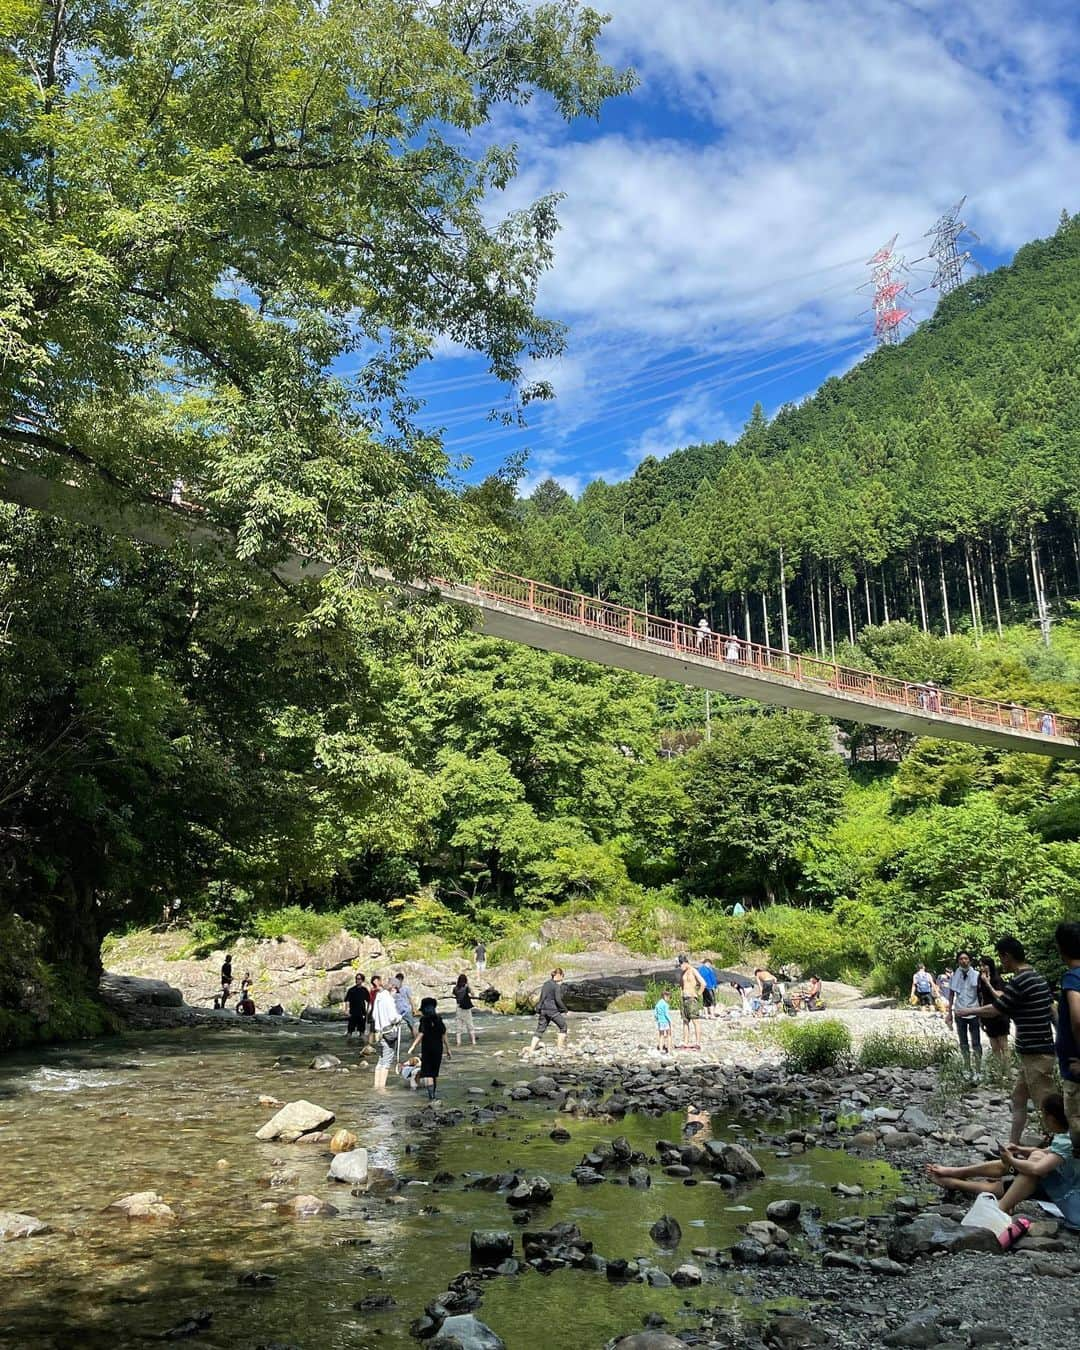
965	985
384	1010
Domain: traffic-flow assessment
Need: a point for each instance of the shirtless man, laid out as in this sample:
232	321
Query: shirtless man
693	988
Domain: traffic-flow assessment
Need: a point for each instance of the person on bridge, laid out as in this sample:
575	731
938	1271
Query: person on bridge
732	650
1047	725
704	634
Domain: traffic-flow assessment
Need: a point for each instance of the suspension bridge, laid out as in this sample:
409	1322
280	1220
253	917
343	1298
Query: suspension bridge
549	618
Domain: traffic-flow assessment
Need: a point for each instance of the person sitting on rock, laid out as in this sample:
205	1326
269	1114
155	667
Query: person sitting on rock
246	1006
811	999
1017	1174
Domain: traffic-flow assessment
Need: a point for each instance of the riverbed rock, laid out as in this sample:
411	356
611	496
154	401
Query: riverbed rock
740	1162
919	1332
293	1120
650	1340
465	1332
768	1233
341	1141
350	1166
935	1233
143	1205
543	1087
309	1206
666	1232
535	1191
783	1211
915	1118
786	1332
339	951
325	1062
14	1225
488	1247
686	1276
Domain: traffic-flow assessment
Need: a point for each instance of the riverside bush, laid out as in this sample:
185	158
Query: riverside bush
811	1047
904	1050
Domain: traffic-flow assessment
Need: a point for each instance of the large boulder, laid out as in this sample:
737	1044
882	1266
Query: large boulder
351	1167
740	1162
935	1233
14	1225
131	990
337	952
142	1205
465	1332
293	1120
283	954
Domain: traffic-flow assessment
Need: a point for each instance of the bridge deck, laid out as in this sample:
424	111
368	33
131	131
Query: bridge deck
551	619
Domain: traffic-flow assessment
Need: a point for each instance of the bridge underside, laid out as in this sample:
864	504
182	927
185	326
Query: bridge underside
162	527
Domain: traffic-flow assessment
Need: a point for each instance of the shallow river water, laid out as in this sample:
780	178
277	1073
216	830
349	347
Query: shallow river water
177	1112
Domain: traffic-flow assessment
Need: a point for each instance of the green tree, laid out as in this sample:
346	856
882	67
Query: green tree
755	796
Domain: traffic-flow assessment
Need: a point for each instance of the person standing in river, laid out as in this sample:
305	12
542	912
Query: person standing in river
464	1019
431	1039
550	1011
387	1025
358	1002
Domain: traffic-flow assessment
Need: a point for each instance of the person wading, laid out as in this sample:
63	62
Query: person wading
692	987
464	1019
358	1002
387	1025
431	1039
1026	1000
550	1011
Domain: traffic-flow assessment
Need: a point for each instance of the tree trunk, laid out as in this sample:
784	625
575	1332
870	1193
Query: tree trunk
746	615
884	596
1040	590
922	594
866	589
994	586
944	591
813	614
783	606
765	618
850	616
971	592
832	636
1076	553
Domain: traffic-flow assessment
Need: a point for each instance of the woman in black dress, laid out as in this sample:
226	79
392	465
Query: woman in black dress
996	1028
431	1038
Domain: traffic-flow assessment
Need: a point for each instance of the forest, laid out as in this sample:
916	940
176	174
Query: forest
937	482
177	724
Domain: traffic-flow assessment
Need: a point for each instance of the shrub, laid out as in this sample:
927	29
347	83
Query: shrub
365	918
311	930
812	1047
904	1050
827	943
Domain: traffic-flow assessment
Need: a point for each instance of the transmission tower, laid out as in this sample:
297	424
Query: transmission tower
888	292
947	234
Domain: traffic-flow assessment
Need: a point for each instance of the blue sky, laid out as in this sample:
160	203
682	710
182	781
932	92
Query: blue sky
716	223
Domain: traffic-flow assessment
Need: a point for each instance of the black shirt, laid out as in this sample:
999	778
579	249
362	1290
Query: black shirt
1026	999
551	999
462	996
358	1000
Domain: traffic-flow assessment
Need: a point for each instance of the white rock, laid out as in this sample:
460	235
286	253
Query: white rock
143	1205
351	1166
14	1225
293	1120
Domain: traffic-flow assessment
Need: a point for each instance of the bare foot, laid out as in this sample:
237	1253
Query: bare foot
940	1175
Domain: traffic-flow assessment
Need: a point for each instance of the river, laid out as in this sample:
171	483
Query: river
177	1112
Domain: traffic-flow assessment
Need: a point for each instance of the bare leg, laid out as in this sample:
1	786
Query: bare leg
695	1029
1020	1189
1019	1111
994	1171
972	1187
1000	1047
560	1040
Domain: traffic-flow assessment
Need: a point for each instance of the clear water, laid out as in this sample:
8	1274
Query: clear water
177	1113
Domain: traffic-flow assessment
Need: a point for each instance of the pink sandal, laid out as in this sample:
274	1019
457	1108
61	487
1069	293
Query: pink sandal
1015	1231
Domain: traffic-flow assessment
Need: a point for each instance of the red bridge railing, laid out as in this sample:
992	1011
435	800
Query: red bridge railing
735	653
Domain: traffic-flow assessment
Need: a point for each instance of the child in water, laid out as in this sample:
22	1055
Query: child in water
662	1013
410	1071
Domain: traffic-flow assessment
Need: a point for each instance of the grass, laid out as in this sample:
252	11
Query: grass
904	1050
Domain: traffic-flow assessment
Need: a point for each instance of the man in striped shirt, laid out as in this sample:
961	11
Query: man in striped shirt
1026	999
